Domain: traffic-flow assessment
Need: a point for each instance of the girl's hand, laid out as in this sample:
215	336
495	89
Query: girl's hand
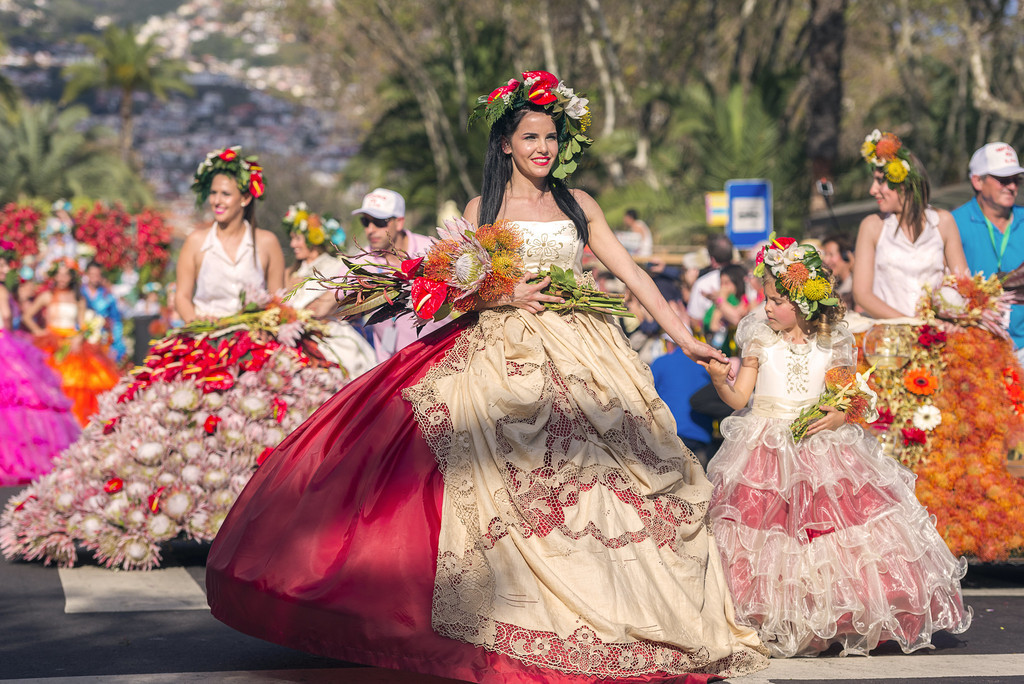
718	370
528	295
833	420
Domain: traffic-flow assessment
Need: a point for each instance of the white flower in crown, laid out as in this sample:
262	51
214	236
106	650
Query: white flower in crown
783	258
927	417
874	136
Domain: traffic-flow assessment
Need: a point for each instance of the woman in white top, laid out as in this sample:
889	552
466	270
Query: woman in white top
217	263
908	244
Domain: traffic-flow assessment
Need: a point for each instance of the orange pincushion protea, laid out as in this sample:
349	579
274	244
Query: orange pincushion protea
920	381
838	377
795	276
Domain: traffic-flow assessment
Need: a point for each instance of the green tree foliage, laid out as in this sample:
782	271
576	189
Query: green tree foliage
123	64
47	156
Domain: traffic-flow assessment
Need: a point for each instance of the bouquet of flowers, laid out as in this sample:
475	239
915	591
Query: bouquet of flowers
847	391
464	269
965	301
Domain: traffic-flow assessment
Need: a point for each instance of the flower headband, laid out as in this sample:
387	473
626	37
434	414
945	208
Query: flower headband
886	152
246	172
797	272
313	227
569	111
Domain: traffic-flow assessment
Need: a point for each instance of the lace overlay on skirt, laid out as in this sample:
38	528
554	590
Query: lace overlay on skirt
575	534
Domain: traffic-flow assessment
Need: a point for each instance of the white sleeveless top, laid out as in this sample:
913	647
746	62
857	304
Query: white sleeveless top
221	279
63	315
903	268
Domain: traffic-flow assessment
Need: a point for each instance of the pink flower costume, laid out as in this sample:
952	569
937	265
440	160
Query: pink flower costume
823	540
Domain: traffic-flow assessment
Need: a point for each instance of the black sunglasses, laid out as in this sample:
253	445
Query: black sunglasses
380	223
1006	180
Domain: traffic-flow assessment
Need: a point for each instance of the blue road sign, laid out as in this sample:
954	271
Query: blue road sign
750	211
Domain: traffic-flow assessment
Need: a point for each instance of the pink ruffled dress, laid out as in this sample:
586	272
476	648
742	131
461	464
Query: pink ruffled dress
823	540
36	422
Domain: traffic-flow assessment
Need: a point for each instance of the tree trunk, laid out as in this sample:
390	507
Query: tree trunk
127	126
825	65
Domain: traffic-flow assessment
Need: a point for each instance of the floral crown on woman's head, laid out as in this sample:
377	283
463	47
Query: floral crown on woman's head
886	152
315	229
568	110
246	172
798	273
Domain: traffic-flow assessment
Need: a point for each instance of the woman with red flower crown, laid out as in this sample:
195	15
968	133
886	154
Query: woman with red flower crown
506	499
36	422
172	446
85	368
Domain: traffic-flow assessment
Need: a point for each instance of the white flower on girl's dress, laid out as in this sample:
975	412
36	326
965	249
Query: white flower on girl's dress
927	417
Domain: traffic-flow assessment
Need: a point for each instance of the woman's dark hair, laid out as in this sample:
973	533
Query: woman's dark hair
737	273
498	173
915	192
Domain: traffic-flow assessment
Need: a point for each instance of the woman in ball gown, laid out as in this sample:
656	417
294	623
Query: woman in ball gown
35	417
173	445
85	368
505	499
312	236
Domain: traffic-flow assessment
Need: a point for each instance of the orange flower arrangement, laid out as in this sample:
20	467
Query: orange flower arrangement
920	381
794	276
887	147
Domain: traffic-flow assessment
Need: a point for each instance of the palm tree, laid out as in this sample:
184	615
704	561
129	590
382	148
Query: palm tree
122	63
46	155
8	93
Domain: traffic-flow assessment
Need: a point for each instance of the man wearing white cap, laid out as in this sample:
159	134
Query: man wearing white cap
383	217
991	225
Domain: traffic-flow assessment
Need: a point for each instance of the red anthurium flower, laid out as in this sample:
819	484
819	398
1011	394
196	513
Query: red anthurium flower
22	504
154	499
280	408
427	296
256	185
540	92
503	90
228	155
782	242
409	268
109	425
211	424
263	455
114	485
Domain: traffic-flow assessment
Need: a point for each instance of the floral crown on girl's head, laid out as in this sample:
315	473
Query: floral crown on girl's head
798	274
886	152
315	229
246	172
568	110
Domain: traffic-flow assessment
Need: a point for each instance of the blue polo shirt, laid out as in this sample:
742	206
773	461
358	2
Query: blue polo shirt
982	256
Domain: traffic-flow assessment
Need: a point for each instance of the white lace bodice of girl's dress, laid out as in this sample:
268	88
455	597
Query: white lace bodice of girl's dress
547	243
790	377
903	268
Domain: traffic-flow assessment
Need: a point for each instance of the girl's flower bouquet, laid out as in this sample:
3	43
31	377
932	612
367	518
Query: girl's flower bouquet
847	391
462	271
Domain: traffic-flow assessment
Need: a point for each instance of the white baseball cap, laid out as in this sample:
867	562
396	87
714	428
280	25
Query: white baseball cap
995	159
382	204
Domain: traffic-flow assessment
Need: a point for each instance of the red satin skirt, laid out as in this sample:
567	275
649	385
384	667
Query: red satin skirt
332	546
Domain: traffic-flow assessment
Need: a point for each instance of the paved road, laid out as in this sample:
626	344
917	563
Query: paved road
91	625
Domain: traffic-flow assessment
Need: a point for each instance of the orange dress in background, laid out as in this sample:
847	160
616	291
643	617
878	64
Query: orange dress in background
85	371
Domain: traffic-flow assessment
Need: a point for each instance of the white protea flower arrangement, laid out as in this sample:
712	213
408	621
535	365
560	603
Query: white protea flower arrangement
164	460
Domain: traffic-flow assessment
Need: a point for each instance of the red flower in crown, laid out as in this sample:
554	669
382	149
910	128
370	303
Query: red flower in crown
256	185
540	90
228	155
503	90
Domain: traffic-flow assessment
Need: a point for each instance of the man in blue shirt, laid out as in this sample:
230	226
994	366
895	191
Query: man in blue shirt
991	225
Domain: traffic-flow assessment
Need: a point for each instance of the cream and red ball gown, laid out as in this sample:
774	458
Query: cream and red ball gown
823	540
505	499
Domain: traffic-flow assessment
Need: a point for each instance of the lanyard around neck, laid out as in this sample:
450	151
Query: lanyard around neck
1001	250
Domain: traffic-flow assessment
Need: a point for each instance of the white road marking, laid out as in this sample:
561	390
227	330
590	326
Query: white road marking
924	666
1004	591
98	590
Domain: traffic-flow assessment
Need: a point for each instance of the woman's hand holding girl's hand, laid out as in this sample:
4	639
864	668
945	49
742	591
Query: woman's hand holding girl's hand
701	351
718	370
528	295
833	420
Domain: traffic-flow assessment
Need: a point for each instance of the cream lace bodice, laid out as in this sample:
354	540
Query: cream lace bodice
551	242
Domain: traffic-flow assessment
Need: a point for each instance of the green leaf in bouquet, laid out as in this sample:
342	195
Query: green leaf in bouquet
386	313
385	299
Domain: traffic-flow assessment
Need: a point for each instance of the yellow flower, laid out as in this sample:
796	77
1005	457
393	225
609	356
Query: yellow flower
897	170
300	217
316	235
585	122
867	150
817	289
